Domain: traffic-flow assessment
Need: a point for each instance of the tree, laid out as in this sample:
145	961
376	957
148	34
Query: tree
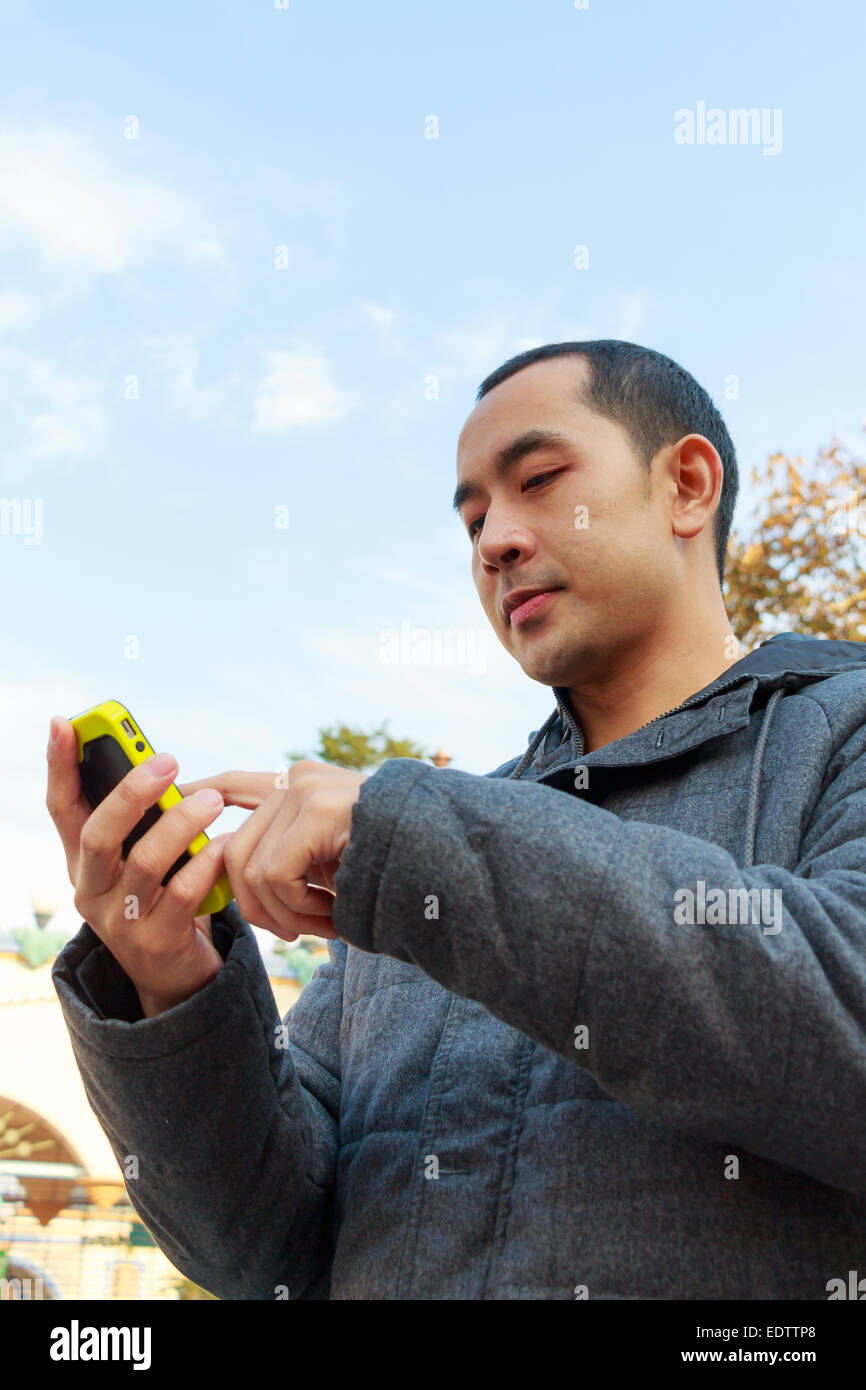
353	748
804	568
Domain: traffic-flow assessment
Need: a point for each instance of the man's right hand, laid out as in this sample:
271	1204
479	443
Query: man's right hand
151	930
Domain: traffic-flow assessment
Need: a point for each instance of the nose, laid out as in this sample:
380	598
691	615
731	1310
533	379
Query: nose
502	544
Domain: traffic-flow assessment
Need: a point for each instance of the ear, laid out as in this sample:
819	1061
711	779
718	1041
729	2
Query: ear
696	473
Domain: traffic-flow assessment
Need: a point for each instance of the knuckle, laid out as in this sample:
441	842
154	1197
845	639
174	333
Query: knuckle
92	840
221	780
252	875
143	860
128	793
181	893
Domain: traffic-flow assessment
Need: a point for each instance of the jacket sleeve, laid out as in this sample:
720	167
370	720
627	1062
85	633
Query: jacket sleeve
559	917
228	1118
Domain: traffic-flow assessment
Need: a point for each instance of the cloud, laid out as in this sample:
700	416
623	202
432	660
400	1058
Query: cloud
73	420
206	252
176	356
51	434
84	213
15	309
384	322
298	389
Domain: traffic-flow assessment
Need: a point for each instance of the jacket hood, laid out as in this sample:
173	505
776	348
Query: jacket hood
779	665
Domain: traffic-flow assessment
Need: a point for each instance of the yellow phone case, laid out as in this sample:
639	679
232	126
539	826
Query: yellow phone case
113	721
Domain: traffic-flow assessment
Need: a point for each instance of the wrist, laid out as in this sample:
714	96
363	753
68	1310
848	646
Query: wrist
153	1004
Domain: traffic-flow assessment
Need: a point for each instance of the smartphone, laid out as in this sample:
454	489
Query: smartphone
110	744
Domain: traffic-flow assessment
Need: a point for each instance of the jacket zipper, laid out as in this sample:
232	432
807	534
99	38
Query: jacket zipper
726	685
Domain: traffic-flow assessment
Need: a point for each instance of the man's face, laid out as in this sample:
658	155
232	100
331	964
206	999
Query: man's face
612	572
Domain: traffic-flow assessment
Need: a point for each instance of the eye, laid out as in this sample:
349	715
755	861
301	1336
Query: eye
540	478
536	478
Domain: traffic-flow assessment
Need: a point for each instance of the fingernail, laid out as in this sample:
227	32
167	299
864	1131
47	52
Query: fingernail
160	764
53	731
210	796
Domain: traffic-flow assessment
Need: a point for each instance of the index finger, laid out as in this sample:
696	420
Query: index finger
66	804
247	789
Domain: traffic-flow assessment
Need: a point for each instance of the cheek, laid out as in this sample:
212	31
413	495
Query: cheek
588	521
611	551
590	547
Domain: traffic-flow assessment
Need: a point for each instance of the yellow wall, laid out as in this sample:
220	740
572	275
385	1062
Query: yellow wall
38	1070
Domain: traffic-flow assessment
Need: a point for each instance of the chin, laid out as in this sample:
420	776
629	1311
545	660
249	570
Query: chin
547	668
553	659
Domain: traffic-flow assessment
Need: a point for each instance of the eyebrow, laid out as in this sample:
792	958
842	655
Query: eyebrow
532	441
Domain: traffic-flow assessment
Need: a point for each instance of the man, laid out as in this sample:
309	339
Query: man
593	1025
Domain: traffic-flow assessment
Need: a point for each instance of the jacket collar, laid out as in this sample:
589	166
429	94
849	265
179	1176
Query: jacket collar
786	662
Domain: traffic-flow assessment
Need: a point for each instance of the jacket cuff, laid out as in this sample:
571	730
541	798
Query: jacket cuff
101	1005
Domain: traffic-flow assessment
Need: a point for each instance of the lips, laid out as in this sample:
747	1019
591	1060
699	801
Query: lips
525	600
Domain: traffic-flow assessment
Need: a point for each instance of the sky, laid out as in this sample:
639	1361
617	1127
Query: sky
255	260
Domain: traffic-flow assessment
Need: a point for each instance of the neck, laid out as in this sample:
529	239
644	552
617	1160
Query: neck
658	671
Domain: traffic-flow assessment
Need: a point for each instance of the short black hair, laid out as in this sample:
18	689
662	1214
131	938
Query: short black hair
655	400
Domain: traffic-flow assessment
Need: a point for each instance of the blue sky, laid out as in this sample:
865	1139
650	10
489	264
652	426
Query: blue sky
167	383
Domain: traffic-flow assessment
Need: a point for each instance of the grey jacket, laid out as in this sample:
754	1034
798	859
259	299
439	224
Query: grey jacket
562	1049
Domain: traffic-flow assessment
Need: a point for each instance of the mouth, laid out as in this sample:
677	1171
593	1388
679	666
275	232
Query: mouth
525	603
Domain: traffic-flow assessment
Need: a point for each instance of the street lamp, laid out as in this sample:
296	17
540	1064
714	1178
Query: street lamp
44	907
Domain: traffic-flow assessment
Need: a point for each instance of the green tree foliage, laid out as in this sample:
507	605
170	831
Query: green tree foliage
362	751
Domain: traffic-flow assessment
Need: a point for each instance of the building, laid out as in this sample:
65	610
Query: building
67	1228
